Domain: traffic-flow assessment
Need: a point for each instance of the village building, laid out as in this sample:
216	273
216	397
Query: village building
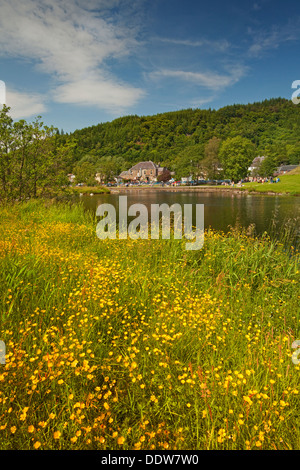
254	167
146	172
283	169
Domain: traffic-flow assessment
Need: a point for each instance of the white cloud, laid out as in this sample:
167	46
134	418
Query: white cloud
24	105
71	42
209	80
196	102
210	45
107	94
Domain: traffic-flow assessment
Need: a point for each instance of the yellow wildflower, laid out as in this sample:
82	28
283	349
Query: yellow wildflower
56	434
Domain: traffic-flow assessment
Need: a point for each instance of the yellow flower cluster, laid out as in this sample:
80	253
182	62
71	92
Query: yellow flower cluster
115	345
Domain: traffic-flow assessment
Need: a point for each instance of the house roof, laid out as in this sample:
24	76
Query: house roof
161	169
141	166
125	174
257	160
287	167
144	166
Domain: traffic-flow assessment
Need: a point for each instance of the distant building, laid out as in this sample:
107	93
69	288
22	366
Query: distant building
186	179
71	177
285	169
256	164
145	172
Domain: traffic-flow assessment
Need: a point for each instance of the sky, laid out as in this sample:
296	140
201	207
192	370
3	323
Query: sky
78	63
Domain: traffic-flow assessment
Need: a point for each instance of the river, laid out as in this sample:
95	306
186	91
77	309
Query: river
268	213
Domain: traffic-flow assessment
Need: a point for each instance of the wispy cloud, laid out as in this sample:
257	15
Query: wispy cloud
256	6
266	40
108	94
220	46
71	41
210	80
23	104
196	102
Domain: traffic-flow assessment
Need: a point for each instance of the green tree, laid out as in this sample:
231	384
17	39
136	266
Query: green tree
32	159
6	146
211	162
267	166
85	172
293	153
23	134
236	155
56	167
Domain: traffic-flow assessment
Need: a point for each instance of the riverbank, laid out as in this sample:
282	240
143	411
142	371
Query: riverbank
140	344
206	189
88	190
289	184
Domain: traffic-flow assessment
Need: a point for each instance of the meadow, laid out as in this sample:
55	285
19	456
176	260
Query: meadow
288	184
130	344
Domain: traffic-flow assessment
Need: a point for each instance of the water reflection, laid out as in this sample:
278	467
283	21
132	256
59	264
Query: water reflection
221	209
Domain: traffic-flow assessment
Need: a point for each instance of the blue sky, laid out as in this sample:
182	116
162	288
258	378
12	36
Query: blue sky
78	63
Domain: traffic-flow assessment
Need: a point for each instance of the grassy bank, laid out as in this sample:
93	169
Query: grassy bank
142	344
288	184
88	190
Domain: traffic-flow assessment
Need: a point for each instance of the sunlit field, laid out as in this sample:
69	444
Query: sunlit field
289	183
123	344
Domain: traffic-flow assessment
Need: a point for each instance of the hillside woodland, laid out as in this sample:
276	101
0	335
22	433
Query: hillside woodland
191	141
36	159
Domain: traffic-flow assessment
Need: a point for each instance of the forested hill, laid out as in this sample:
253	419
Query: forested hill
178	139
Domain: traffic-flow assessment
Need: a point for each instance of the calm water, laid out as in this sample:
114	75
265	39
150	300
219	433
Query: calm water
221	209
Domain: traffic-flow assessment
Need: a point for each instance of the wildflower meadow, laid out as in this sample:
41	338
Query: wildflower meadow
140	344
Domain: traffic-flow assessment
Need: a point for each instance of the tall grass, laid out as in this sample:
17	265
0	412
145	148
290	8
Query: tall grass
130	344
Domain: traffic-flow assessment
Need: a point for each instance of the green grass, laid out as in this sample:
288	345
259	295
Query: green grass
89	189
141	344
288	184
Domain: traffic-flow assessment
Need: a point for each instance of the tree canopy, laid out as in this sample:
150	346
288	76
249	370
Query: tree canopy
188	141
236	155
32	160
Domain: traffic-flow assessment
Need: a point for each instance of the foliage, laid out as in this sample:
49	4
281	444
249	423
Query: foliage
187	142
178	139
236	155
211	162
268	166
32	161
194	353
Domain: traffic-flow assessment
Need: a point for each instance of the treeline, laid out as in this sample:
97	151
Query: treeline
33	160
36	159
188	141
